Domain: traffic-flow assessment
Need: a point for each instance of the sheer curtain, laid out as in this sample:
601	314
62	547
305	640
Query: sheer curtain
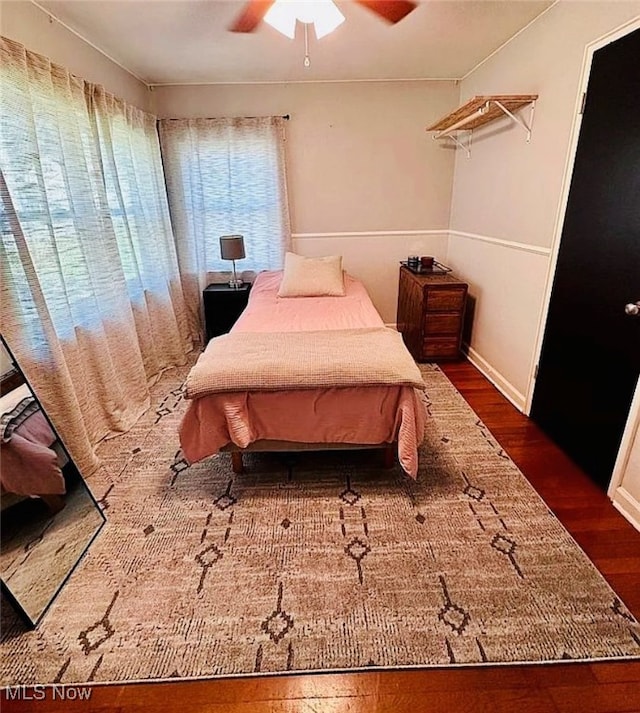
136	194
225	176
91	303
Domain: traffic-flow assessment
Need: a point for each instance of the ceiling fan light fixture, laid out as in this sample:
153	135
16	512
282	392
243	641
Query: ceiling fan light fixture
322	14
282	18
327	18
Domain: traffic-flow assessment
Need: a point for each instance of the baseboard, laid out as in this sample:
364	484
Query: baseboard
628	506
496	378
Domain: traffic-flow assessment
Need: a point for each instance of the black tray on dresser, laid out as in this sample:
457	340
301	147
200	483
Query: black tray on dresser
437	269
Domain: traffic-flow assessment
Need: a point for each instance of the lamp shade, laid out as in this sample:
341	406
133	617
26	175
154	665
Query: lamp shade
232	247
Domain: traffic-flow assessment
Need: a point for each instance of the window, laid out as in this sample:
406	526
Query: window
227	176
52	202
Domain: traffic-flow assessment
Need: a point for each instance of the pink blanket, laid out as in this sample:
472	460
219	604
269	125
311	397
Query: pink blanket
28	466
364	415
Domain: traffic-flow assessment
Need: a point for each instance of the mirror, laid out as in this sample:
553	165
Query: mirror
48	515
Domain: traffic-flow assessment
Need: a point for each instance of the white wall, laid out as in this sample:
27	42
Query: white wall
507	196
365	179
375	258
27	24
505	293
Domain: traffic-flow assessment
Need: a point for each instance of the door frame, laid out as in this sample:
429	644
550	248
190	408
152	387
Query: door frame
623	500
587	61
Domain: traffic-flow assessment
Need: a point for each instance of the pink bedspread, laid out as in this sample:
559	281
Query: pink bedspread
366	415
266	312
28	466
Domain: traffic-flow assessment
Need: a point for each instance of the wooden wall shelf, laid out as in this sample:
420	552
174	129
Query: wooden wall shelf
481	110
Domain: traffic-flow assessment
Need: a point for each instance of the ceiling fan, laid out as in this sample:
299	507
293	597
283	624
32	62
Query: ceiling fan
254	11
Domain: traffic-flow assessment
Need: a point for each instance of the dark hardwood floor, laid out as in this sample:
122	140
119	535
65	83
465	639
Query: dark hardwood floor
614	687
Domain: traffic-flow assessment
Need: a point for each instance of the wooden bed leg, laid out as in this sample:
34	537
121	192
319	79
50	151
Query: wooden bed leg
55	503
389	456
236	462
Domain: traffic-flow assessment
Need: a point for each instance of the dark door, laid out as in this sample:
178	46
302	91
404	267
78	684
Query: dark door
590	357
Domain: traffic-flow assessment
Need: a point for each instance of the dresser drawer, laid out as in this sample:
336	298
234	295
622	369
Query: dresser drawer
442	323
445	300
441	348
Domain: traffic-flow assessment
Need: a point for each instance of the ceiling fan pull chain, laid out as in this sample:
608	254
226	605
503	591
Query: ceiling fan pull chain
307	60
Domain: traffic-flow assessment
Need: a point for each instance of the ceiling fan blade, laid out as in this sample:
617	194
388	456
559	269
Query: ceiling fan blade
391	10
251	15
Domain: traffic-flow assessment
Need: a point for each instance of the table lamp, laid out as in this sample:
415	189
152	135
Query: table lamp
232	248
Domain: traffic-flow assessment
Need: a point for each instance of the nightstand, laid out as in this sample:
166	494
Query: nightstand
430	313
222	307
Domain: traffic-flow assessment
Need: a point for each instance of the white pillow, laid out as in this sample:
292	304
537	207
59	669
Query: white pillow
312	276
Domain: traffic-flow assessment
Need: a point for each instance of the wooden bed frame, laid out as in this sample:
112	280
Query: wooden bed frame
261	446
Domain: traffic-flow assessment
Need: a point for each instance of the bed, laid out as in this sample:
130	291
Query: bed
30	463
348	381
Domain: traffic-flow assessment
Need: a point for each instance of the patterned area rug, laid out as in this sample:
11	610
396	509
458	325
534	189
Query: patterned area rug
318	561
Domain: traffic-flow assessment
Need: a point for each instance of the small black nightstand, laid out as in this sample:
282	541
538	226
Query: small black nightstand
222	307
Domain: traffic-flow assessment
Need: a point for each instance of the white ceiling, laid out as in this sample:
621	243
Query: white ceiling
168	42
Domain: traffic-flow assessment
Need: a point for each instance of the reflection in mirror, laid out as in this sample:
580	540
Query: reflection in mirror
48	515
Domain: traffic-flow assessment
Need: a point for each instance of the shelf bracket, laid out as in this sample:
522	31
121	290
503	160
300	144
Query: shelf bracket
465	147
459	125
517	119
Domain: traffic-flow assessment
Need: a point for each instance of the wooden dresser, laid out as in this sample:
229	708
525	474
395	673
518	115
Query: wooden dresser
430	312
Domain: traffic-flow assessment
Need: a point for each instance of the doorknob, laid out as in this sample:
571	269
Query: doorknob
632	309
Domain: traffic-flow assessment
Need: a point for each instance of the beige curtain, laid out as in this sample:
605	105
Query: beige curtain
91	300
225	176
136	193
